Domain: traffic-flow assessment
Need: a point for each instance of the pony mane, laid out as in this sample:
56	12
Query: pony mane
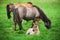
42	15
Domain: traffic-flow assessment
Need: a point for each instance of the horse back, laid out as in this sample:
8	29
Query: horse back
21	11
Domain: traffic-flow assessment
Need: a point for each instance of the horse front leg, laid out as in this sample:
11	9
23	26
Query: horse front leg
32	23
35	21
15	22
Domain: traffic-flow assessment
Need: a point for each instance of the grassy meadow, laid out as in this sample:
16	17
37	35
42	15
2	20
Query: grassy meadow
50	7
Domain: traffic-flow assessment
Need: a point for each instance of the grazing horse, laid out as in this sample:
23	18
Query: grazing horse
27	12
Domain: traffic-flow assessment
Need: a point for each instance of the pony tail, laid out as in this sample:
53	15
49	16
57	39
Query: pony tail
8	12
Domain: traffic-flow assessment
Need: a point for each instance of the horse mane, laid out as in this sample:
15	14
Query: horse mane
43	17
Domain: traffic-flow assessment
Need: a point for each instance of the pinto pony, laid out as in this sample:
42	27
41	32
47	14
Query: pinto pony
27	12
34	30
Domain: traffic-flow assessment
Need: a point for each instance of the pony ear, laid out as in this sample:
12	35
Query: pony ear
8	11
35	26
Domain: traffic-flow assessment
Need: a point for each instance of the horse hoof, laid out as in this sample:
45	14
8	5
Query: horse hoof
22	29
14	29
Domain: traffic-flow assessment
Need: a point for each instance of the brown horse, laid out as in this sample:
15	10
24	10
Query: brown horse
27	12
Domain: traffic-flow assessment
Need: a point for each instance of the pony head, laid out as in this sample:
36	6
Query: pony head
34	30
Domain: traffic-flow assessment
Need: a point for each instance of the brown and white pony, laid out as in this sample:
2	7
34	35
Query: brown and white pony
33	30
27	12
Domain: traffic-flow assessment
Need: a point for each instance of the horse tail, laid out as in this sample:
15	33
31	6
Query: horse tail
44	18
8	11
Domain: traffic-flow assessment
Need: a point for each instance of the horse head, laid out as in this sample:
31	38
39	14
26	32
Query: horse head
48	24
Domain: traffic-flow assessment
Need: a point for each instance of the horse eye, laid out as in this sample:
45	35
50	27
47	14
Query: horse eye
28	33
33	30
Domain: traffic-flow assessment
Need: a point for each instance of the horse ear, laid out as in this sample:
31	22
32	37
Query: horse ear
34	25
8	11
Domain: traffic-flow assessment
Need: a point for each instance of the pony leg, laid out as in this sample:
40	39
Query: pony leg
15	22
34	21
15	26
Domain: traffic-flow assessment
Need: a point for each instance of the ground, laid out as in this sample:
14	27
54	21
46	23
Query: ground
50	7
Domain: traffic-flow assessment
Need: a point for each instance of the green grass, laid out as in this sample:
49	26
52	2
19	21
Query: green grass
51	9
